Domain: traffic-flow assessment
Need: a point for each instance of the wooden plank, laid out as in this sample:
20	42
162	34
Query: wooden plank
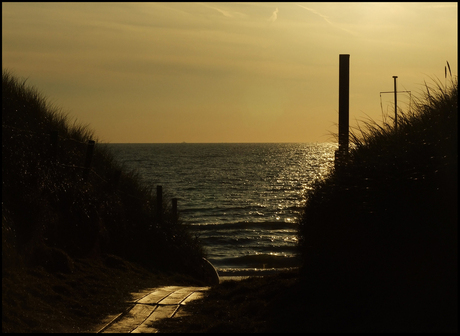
139	295
156	296
160	313
196	289
105	323
176	297
137	315
109	320
153	295
154	304
194	296
181	295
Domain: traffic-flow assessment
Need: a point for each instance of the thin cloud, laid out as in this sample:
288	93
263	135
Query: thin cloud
317	13
224	12
274	15
325	18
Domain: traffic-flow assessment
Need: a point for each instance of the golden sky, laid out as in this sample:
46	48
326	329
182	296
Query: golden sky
225	72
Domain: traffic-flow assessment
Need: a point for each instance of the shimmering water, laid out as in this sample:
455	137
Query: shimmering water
241	200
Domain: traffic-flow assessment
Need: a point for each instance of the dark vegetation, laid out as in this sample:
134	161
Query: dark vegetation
36	300
379	235
378	240
53	219
272	303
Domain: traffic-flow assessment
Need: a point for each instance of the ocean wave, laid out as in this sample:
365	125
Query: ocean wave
250	272
223	206
274	225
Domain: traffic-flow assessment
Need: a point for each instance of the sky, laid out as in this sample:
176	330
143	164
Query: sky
225	72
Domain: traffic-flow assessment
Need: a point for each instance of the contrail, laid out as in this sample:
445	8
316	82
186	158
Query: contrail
325	18
317	13
226	13
223	12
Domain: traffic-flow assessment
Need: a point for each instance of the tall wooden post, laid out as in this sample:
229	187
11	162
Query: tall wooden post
344	105
396	105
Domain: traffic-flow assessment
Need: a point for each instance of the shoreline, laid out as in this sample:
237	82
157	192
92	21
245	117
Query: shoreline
252	272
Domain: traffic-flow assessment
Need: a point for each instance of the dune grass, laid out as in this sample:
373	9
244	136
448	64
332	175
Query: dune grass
82	218
52	216
381	231
36	300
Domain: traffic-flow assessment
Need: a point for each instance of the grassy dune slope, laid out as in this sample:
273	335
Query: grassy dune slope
379	235
53	219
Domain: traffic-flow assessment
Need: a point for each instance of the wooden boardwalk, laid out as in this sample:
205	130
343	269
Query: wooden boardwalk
152	305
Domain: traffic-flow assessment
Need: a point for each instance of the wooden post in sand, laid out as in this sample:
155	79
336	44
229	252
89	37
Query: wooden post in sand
344	107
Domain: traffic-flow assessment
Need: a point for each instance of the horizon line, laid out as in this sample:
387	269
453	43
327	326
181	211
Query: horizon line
236	142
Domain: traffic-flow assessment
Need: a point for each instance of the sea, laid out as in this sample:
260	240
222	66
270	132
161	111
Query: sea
242	200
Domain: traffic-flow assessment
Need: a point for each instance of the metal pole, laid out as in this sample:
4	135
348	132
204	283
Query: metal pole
344	102
396	105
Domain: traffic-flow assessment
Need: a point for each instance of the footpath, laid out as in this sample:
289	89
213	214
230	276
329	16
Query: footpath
154	304
151	305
